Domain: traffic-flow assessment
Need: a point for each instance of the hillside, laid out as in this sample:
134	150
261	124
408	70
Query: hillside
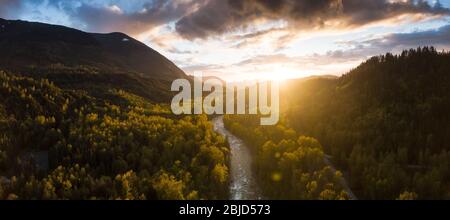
59	144
79	60
386	123
85	116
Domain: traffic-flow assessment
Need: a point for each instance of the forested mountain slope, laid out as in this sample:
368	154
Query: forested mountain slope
59	144
79	60
386	123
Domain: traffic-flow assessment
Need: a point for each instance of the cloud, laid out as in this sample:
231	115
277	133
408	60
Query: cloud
178	51
106	15
438	37
132	17
266	66
396	42
221	16
360	12
9	8
205	18
333	62
266	59
113	18
208	69
336	56
213	18
275	36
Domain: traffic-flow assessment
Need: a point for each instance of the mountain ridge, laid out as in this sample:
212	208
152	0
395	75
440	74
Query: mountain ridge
76	59
134	54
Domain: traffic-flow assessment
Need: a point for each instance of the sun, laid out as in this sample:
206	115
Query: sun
281	74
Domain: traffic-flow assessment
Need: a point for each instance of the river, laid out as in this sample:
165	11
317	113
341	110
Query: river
243	184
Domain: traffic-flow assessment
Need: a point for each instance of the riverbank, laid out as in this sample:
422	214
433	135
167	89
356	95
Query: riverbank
243	184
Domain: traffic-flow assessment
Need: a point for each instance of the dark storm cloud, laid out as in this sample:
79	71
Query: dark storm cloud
204	18
213	18
221	16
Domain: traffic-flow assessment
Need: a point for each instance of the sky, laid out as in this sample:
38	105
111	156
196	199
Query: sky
255	39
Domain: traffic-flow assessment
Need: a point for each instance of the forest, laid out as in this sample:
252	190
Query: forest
385	126
386	123
378	132
287	166
67	144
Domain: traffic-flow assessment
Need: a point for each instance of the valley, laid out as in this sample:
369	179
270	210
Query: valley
87	116
243	184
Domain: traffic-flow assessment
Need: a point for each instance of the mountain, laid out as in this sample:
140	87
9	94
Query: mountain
86	116
385	123
78	60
